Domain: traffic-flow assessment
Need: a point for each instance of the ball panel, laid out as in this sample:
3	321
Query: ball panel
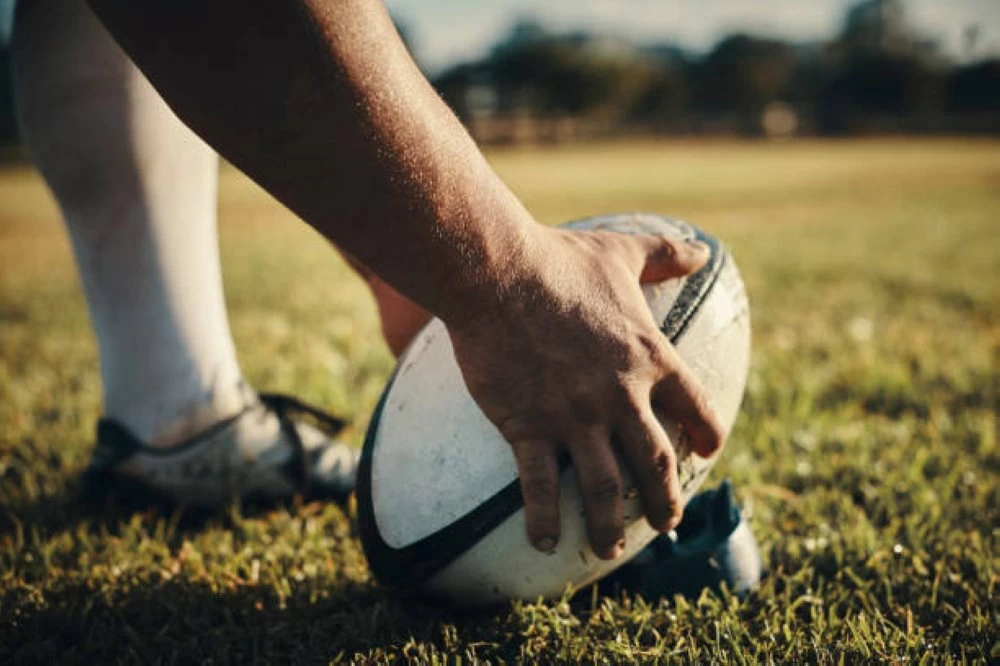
422	449
502	565
410	566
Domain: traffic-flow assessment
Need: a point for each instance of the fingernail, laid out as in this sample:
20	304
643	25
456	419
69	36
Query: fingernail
545	544
674	522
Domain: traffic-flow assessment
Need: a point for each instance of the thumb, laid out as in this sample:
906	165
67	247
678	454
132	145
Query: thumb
670	257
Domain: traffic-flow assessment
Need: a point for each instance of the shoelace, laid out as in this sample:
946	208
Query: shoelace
283	405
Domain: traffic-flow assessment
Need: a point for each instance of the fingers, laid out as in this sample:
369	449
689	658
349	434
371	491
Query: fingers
664	258
653	463
601	488
538	468
681	398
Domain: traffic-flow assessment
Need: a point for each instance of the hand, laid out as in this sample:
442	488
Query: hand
571	359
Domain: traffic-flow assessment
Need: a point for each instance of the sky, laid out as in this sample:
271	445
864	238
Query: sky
449	31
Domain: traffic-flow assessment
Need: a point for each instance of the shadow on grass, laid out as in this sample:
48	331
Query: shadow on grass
76	507
183	621
147	617
200	622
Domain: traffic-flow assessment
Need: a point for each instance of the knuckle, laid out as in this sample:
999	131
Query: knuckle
630	394
538	489
670	247
652	348
605	488
520	428
667	514
583	409
662	467
665	251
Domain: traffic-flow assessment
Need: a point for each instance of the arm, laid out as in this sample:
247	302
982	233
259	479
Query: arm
320	103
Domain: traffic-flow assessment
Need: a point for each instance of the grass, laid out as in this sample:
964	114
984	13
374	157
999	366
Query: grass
866	450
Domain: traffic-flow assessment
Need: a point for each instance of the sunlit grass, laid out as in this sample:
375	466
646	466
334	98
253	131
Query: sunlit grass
866	449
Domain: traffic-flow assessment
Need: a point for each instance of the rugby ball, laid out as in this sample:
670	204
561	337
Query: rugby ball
439	506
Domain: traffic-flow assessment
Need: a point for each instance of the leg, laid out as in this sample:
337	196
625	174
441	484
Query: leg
401	318
137	190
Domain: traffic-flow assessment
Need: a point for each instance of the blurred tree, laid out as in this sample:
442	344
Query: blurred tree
877	74
574	74
879	70
742	75
536	73
970	39
876	26
525	30
8	115
885	83
457	87
664	97
976	87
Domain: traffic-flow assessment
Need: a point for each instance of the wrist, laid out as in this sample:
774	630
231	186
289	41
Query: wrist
504	272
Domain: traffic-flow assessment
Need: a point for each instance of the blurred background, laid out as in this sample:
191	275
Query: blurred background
569	69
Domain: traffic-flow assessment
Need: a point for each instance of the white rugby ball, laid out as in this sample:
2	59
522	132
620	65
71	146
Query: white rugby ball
439	505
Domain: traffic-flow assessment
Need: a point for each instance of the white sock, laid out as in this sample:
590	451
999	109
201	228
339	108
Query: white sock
138	193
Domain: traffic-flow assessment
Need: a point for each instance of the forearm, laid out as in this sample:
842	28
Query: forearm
319	102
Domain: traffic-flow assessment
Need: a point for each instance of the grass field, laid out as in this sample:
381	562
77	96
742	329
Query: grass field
866	450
